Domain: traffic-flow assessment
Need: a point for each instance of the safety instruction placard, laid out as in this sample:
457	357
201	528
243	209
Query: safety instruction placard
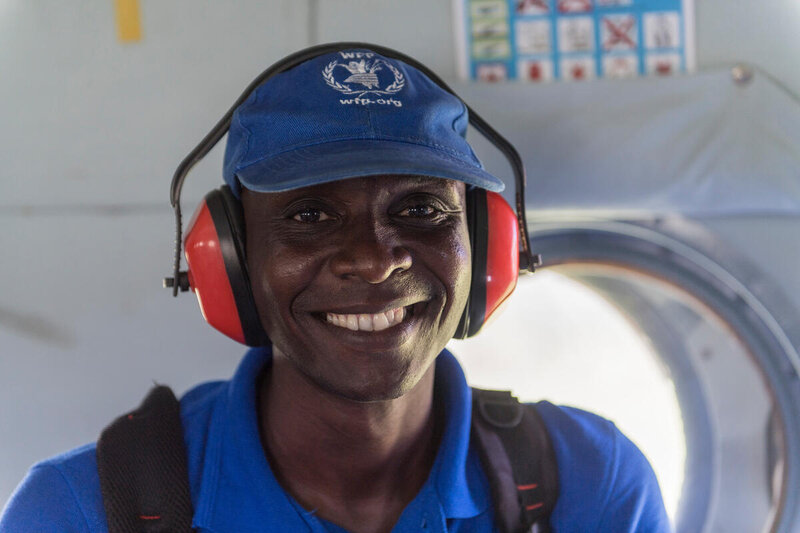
545	40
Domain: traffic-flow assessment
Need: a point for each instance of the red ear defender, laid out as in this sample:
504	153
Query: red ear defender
494	236
214	249
215	253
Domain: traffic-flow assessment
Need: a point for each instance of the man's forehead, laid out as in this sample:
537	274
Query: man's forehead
376	184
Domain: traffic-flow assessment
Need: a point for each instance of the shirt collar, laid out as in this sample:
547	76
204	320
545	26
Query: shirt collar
456	472
239	491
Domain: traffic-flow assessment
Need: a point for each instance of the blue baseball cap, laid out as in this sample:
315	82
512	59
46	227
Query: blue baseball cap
349	114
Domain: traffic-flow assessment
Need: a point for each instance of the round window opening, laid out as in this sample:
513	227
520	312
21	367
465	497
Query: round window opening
659	363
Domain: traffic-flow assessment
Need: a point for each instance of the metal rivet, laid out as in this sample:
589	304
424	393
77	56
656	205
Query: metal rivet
742	74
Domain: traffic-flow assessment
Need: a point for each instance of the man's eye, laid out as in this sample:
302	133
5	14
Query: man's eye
418	211
310	215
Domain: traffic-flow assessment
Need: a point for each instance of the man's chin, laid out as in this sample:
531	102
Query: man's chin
364	390
363	373
386	378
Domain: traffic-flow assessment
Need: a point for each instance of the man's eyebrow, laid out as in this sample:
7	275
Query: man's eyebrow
432	182
427	179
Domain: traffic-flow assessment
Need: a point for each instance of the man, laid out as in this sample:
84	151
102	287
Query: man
353	171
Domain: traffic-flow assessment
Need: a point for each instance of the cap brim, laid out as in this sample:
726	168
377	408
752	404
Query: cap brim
338	160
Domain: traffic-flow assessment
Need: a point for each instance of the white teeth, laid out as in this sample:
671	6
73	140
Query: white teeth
380	321
367	322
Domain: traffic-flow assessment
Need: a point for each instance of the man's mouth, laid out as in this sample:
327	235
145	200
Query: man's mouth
369	321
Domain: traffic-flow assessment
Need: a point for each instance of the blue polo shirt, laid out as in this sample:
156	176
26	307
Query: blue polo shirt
606	484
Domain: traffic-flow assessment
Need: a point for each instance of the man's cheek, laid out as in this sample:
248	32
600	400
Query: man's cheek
460	257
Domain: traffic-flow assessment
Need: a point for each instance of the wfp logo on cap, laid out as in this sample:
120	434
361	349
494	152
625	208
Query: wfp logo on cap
362	73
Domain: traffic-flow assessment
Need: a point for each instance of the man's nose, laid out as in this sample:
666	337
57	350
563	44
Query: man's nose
371	252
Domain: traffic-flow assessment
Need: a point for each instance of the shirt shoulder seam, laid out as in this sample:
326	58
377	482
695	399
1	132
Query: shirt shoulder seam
72	492
614	470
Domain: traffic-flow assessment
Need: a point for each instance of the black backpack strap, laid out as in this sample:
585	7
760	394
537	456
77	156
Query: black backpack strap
518	458
141	460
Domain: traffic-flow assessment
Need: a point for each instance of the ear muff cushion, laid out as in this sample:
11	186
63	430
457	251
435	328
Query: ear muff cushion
215	252
494	237
478	234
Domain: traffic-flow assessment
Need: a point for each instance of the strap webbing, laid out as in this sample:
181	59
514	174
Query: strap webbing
518	458
141	460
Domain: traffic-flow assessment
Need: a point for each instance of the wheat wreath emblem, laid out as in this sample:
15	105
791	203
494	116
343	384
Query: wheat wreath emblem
362	71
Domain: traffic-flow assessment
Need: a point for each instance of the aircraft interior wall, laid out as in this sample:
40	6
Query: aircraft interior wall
676	224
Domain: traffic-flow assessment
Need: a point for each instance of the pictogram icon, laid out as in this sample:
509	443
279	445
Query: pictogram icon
576	34
619	32
662	30
533	7
620	66
574	6
492	72
578	68
535	70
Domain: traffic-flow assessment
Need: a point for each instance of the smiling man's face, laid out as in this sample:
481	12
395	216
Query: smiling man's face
360	283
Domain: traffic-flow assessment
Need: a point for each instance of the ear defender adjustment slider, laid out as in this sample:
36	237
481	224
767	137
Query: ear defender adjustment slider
528	263
183	281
